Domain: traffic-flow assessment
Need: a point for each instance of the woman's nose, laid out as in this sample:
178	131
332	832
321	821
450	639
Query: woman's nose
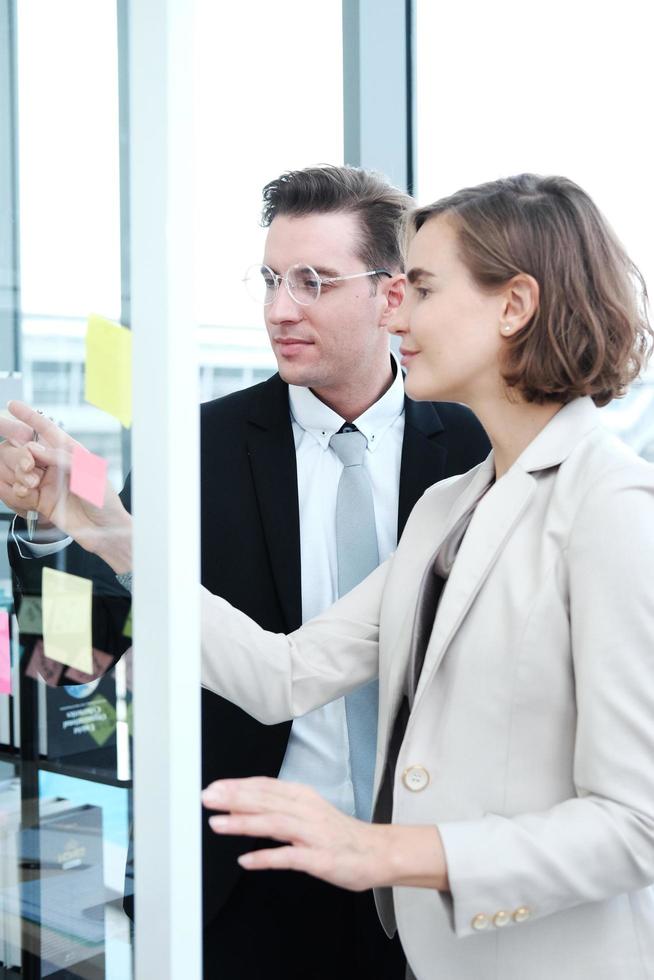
397	325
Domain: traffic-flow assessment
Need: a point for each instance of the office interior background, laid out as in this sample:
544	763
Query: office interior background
435	94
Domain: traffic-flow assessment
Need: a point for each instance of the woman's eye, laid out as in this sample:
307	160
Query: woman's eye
421	291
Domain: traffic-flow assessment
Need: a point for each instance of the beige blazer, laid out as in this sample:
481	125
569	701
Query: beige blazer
531	739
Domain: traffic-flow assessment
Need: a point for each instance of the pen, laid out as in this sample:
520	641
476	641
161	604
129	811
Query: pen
32	515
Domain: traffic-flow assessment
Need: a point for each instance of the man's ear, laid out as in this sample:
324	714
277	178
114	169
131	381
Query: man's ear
393	290
521	299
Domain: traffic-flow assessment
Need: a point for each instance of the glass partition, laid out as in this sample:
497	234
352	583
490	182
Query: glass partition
66	717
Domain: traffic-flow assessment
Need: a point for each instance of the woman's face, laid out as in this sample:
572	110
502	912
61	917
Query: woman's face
449	329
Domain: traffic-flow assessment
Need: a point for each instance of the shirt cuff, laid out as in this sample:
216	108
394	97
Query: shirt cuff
31	549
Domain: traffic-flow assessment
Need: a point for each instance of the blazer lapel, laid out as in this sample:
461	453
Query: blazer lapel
495	518
452	503
272	458
423	460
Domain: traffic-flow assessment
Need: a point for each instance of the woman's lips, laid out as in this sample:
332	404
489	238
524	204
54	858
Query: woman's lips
406	356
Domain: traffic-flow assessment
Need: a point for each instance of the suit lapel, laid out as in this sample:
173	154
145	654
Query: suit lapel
423	460
272	458
451	503
494	520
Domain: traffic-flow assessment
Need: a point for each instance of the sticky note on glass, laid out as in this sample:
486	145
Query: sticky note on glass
29	615
108	381
66	608
127	628
88	476
38	665
5	653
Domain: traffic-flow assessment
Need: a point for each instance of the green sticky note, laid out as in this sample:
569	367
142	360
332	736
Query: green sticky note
67	609
127	628
29	615
103	720
108	383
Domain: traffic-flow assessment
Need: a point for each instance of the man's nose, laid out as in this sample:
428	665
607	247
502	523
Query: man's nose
284	307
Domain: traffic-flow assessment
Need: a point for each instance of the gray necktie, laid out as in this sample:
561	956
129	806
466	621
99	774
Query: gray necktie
357	555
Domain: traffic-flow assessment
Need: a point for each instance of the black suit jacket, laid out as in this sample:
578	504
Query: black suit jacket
251	556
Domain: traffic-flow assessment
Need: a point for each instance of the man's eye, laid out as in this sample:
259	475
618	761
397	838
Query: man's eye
268	282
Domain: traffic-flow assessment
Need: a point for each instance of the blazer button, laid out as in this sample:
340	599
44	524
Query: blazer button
415	778
501	919
522	914
480	921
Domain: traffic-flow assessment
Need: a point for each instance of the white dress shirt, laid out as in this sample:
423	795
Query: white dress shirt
318	751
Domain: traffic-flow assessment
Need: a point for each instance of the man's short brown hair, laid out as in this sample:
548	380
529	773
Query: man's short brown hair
379	207
590	334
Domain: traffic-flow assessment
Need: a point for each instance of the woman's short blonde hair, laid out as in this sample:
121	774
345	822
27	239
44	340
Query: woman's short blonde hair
590	334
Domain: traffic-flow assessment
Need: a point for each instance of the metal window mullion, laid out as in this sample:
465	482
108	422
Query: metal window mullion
9	208
378	87
122	28
165	449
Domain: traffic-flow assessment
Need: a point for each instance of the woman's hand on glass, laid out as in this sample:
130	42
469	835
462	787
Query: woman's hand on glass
42	484
320	840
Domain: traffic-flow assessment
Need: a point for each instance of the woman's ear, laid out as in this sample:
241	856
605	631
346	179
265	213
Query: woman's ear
521	299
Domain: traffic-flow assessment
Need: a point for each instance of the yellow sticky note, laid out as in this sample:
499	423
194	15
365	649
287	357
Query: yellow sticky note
109	368
66	608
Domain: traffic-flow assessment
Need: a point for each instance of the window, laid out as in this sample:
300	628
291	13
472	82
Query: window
501	89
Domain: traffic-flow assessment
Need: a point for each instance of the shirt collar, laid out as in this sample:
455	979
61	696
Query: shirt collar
322	422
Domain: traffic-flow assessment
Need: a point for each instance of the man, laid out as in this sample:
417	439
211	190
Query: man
276	538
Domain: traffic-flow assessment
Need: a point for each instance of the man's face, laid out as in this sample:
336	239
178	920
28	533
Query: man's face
329	345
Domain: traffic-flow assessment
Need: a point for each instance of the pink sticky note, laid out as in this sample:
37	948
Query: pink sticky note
88	476
5	656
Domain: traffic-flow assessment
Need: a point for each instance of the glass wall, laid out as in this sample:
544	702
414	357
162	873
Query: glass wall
265	106
65	745
509	87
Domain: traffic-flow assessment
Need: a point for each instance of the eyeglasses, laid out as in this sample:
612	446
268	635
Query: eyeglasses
302	282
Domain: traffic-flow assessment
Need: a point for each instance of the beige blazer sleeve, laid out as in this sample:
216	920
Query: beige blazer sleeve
275	677
601	842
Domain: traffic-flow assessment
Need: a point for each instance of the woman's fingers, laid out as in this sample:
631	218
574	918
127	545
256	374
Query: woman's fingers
47	456
37	422
14	431
258	794
280	858
23	492
276	826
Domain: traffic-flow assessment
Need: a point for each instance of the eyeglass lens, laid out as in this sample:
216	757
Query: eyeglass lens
303	284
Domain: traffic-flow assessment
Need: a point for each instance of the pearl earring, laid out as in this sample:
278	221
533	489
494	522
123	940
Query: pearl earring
506	328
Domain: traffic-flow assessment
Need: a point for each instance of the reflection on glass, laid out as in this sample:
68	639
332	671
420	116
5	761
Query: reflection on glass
65	747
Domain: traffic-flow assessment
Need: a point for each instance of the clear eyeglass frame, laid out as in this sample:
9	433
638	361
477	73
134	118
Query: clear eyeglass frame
302	282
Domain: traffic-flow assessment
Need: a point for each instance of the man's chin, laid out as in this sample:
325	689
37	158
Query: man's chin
296	374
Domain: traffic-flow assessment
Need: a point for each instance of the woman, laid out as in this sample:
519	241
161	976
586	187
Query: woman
513	629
